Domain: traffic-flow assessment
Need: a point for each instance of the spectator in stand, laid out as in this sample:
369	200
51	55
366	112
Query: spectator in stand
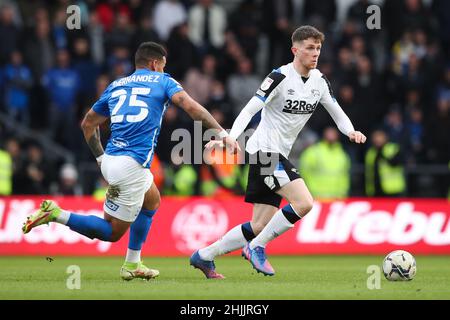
432	66
415	129
220	101
242	85
17	11
85	67
39	49
441	10
349	30
139	9
245	24
438	132
68	182
438	141
368	93
181	50
357	13
390	19
384	167
166	15
325	166
62	84
144	32
394	127
17	81
207	25
59	29
359	114
9	32
345	71
358	47
37	171
401	50
6	173
121	33
199	82
412	99
12	146
119	63
443	89
276	23
325	10
96	39
412	74
107	10
416	16
233	53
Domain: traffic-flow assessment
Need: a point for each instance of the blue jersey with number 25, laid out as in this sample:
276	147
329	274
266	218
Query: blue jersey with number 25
136	105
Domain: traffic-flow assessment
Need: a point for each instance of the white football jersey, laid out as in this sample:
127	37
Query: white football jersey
289	103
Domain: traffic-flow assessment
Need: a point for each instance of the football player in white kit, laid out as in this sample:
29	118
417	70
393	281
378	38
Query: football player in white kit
288	97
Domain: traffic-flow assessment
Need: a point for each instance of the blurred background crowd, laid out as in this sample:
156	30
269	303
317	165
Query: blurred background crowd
393	82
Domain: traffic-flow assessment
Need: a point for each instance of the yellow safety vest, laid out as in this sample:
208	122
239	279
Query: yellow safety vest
6	171
184	180
392	179
326	170
100	193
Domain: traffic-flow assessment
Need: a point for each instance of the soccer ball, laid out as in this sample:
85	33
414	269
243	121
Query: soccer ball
399	265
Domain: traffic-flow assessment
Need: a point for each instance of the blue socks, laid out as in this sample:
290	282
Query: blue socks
139	229
90	226
95	227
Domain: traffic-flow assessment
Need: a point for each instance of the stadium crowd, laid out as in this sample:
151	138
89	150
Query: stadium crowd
393	82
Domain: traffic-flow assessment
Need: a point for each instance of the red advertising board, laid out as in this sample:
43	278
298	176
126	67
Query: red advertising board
182	225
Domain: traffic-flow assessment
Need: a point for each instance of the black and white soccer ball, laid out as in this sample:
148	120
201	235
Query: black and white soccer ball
399	265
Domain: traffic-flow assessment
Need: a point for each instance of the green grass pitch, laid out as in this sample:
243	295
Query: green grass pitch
297	277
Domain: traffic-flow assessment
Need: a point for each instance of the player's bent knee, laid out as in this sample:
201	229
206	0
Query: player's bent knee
152	200
152	205
117	232
257	227
117	235
303	207
157	203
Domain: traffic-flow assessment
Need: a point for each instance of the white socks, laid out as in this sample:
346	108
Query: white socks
133	256
63	217
232	240
276	226
237	237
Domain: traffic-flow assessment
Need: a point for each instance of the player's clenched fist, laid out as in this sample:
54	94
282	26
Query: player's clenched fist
357	137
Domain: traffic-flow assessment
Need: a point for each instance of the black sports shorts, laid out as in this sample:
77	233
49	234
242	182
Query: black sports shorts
267	173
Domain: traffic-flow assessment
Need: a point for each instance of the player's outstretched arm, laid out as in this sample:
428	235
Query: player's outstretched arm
251	108
197	112
244	117
344	124
91	132
339	117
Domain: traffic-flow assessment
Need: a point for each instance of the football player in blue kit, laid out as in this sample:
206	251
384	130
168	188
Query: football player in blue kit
135	105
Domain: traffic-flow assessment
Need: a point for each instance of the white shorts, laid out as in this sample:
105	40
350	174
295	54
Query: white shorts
132	181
